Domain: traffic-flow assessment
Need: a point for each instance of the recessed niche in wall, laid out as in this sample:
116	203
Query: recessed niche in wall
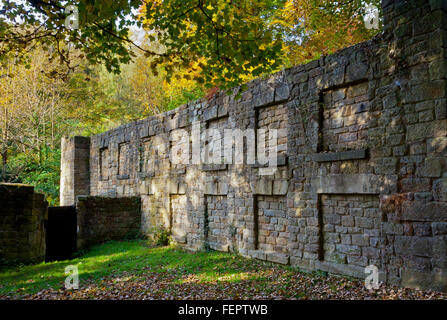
104	164
345	116
213	144
268	118
271	223
180	147
146	159
217	225
123	161
350	228
179	217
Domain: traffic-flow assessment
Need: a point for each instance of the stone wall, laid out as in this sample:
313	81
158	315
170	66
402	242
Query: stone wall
102	219
22	218
75	156
361	176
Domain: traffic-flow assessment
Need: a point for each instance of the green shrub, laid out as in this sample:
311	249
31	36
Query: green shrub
43	174
162	236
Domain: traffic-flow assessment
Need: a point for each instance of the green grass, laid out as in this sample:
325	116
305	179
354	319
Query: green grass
131	257
135	269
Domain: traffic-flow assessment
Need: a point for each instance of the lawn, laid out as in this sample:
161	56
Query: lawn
137	270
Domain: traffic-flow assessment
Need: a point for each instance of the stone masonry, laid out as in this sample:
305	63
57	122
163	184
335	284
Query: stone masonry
362	169
22	224
75	155
102	219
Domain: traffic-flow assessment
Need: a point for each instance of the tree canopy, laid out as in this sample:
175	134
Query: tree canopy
128	59
233	40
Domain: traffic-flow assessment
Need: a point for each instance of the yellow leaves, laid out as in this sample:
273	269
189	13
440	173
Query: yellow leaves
288	5
318	28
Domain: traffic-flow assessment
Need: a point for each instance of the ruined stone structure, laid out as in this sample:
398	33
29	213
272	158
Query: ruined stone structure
22	217
75	155
104	219
362	169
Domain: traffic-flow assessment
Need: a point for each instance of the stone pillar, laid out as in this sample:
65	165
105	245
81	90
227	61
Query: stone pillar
75	169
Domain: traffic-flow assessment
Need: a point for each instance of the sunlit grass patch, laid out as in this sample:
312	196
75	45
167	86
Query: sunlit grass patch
128	260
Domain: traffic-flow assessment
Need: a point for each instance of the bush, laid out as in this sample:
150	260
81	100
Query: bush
162	236
43	175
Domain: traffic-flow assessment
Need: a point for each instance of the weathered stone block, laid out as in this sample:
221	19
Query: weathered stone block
282	93
172	186
348	249
262	187
413	246
211	188
340	156
440	189
421	131
210	113
356	71
265	98
354	183
222	188
423	211
277	257
182	188
280	187
439	228
393	228
432	167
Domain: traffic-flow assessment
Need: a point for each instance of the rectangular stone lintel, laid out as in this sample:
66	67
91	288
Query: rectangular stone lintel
342	155
222	188
172	186
146	188
281	160
181	188
211	188
144	175
214	167
177	171
354	184
262	187
280	187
